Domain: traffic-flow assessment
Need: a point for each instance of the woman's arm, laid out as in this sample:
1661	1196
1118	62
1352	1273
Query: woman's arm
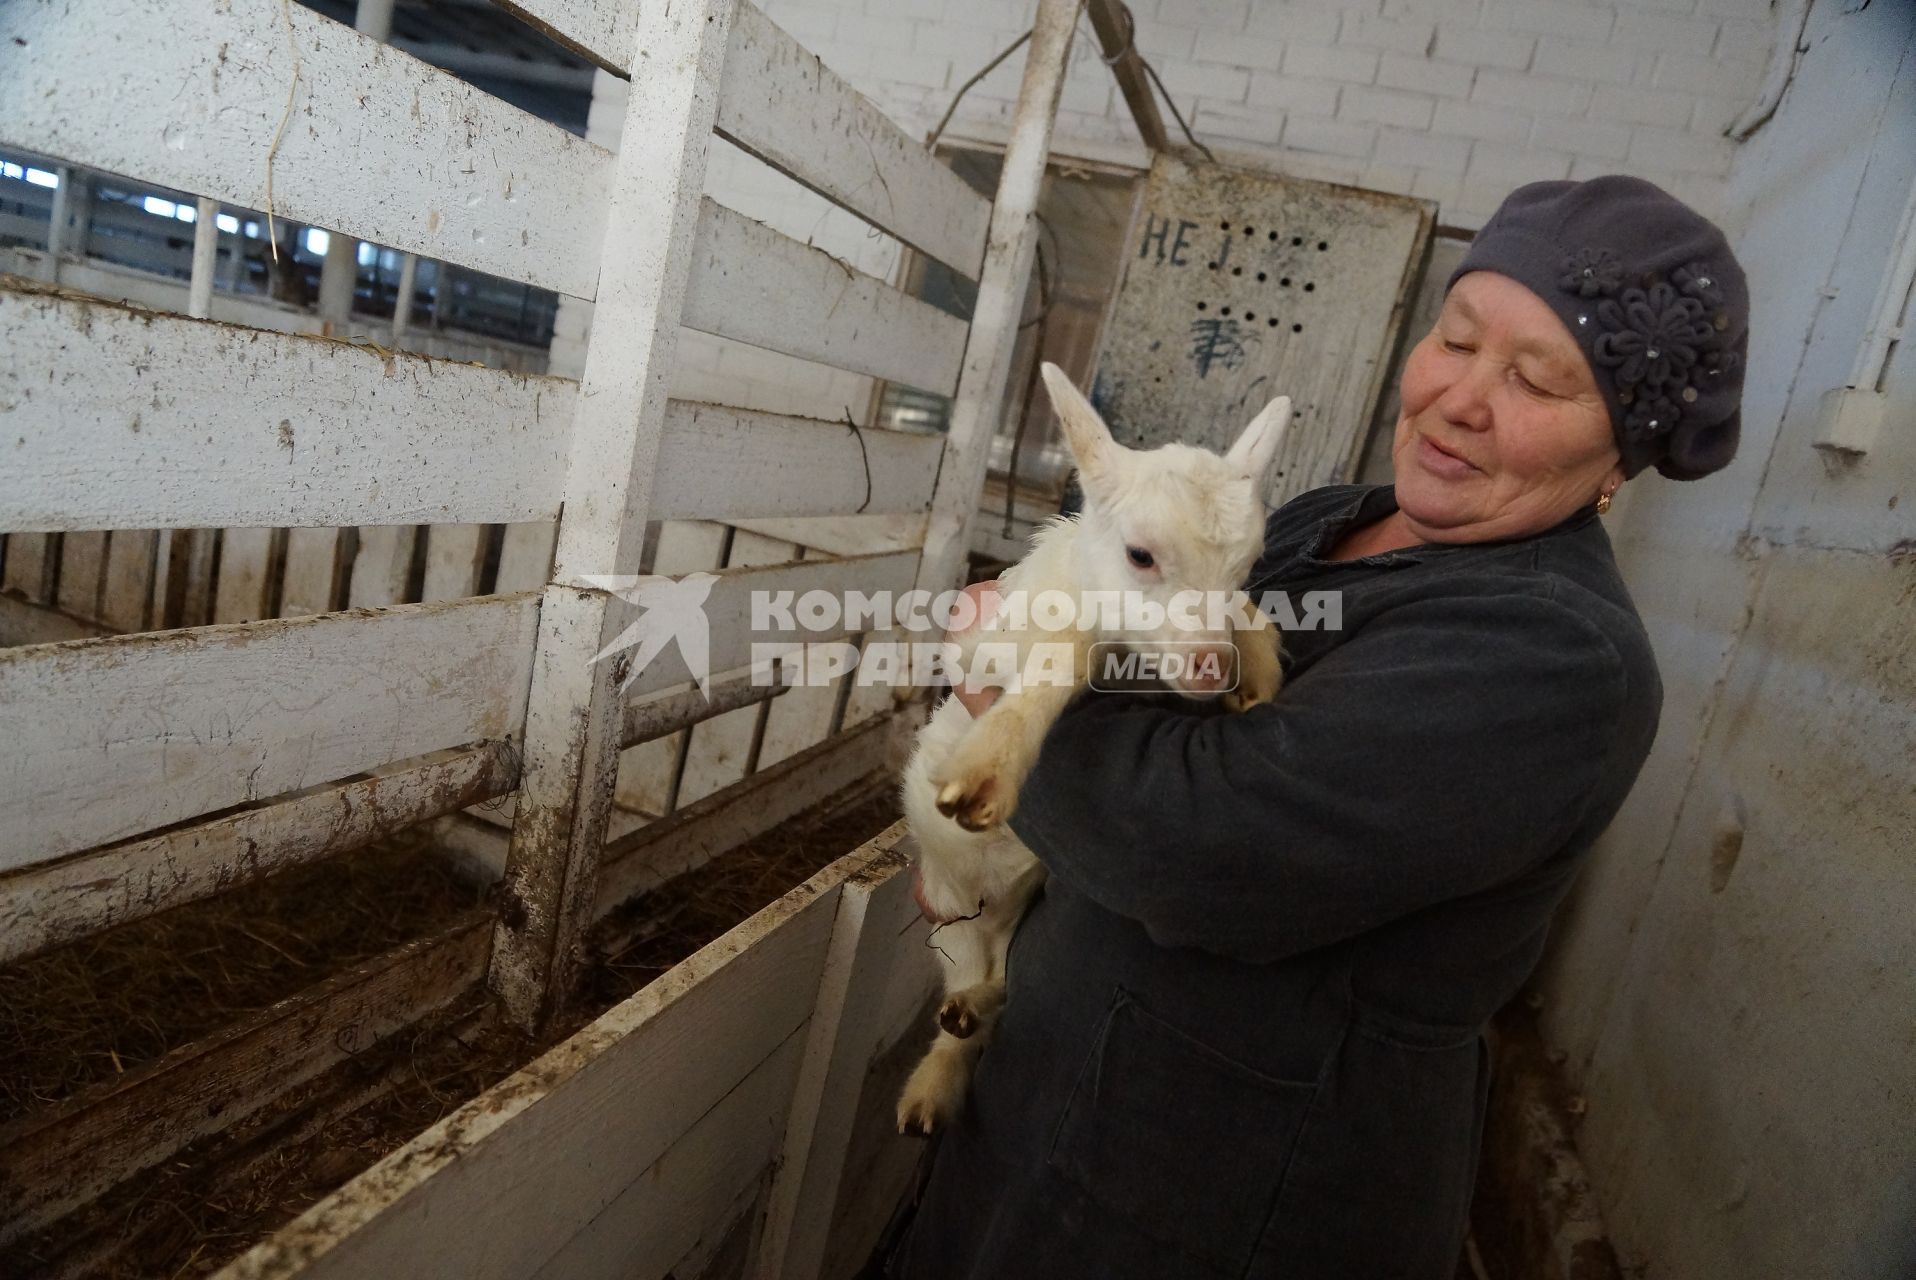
1454	743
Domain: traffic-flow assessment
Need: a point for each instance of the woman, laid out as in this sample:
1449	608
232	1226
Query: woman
1244	1035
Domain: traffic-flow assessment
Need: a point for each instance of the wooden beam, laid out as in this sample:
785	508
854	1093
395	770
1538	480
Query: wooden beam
1001	297
573	717
45	906
1116	36
54	1161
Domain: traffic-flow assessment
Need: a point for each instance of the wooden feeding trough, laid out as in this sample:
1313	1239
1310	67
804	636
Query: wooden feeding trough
734	1115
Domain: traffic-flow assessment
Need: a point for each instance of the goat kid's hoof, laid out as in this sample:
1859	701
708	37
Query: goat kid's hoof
918	1118
958	1017
974	805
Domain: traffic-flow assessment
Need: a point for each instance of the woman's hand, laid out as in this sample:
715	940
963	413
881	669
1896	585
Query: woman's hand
984	595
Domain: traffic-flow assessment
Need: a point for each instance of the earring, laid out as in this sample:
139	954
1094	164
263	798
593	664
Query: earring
1603	502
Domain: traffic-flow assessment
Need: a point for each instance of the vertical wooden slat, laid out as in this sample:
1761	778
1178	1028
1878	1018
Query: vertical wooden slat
195	570
1001	294
721	747
572	721
454	554
852	1021
648	772
311	583
31	565
525	556
129	579
82	566
381	567
244	591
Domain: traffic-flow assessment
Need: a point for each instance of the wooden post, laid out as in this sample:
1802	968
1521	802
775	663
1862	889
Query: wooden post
573	717
1116	29
1001	296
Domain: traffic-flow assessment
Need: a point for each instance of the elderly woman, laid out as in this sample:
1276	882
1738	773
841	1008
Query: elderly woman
1244	1035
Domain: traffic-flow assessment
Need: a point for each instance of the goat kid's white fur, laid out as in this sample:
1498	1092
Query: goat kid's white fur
1201	518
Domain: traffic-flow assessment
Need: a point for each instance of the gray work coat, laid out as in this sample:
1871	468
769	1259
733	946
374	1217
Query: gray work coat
1244	1034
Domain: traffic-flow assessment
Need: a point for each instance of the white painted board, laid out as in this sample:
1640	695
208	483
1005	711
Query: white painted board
379	145
115	737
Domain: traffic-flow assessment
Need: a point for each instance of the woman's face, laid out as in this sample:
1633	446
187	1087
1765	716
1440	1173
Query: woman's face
1503	431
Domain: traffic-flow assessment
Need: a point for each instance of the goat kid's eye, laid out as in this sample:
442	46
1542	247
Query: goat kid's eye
1140	557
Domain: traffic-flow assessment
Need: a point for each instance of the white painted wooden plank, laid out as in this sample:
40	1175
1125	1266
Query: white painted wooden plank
690	1189
136	421
247	565
128	589
454	554
855	535
381	566
82	567
779	103
728	608
783	105
1001	296
126	734
752	284
312	579
871	941
498	1187
44	906
717	462
378	144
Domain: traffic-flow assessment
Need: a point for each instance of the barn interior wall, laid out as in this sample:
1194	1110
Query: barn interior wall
1733	982
1455	101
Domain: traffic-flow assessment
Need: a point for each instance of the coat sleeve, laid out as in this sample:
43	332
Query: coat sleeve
1453	743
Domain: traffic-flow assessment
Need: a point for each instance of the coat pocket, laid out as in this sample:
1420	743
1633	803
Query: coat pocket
1186	1145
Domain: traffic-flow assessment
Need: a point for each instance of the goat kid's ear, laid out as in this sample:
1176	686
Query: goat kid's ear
1256	449
1085	434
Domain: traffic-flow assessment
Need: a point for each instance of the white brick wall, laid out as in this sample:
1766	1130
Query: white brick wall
1453	100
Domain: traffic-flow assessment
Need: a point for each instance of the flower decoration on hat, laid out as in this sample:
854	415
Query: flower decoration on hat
1591	273
1654	339
1698	281
1650	416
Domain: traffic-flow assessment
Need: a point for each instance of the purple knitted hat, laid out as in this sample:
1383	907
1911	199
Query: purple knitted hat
1655	299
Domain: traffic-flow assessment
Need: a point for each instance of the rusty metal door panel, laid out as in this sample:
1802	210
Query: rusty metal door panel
1241	286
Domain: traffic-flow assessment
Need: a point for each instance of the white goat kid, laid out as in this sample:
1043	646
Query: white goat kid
1156	523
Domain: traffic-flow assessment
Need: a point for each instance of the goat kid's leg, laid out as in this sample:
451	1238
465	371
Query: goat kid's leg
1260	670
935	1093
974	1009
978	782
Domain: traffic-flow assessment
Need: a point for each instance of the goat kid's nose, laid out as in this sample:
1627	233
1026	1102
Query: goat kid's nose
1208	668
